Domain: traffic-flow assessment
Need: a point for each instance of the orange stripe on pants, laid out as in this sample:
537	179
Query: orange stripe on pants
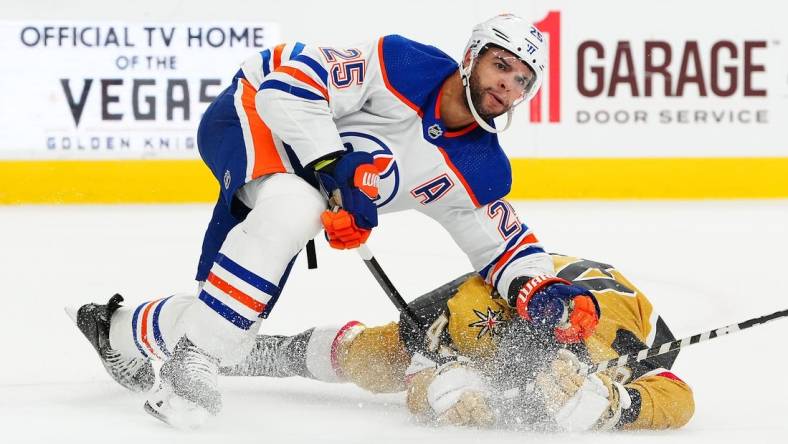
235	293
144	329
266	157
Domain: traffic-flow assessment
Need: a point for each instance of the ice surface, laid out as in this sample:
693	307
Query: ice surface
703	264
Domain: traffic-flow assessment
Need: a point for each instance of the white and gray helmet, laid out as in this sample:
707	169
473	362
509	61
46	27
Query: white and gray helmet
517	36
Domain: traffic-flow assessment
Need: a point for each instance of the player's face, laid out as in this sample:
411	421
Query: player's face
499	80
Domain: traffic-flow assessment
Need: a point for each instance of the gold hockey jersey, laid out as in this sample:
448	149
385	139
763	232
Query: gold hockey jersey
465	317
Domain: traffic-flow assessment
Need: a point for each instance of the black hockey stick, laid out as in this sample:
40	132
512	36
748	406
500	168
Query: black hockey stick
385	283
681	343
621	361
661	349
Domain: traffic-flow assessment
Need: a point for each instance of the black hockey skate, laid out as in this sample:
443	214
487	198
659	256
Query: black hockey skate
274	356
93	320
187	391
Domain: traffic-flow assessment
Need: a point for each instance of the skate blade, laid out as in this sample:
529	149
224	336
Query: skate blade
176	412
72	313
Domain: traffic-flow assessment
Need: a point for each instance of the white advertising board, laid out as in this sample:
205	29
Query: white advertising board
659	79
626	79
112	89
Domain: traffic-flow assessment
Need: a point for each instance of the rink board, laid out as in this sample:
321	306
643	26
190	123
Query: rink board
183	181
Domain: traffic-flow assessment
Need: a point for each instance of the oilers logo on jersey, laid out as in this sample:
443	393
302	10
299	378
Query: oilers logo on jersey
385	162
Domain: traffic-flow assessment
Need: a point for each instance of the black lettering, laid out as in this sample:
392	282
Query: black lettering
48	35
167	38
181	102
126	42
150	114
215	32
242	38
82	36
257	37
107	99
204	85
26	31
76	107
112	38
149	31
196	35
62	34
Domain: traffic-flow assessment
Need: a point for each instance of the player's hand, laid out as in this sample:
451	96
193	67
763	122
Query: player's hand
554	303
351	184
458	395
578	402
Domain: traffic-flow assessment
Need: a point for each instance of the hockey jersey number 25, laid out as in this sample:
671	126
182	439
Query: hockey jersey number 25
295	103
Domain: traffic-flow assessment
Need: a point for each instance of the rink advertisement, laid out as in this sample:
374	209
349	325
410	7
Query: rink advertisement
108	90
661	84
663	100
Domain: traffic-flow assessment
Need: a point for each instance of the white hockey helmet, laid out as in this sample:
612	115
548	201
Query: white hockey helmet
517	36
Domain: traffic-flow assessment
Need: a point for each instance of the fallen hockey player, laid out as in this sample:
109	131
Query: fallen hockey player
476	346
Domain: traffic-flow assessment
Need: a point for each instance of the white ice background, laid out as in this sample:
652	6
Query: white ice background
703	265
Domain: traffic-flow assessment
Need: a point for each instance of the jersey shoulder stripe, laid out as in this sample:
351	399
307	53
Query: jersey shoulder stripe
290	89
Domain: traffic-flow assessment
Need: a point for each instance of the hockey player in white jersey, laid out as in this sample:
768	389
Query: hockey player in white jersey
318	137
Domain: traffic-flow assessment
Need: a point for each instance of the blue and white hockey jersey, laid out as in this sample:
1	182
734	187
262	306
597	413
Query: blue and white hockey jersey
295	103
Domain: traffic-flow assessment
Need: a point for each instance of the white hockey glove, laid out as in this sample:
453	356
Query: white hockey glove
459	396
580	403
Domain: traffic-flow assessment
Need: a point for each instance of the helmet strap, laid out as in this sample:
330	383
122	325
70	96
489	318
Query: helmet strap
465	75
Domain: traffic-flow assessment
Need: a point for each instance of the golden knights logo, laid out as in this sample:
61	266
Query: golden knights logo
488	322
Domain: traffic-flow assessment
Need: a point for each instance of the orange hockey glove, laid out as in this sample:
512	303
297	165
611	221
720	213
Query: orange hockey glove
351	185
555	303
341	230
